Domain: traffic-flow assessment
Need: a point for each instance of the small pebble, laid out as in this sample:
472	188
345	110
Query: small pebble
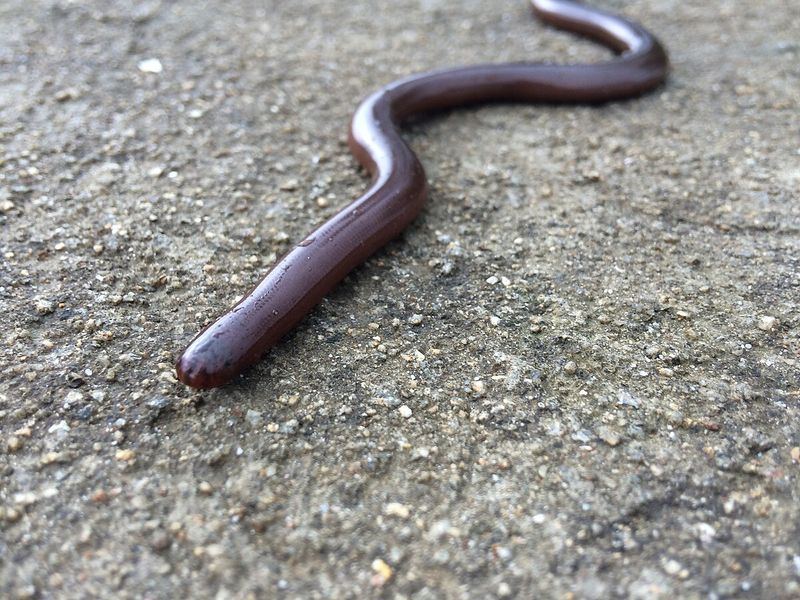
26	592
729	506
415	319
504	553
158	402
570	368
205	488
150	65
404	411
161	541
10	515
44	307
705	532
14	443
290	426
25	498
625	398
608	435
48	458
582	436
58	431
395	509
253	417
125	455
73	397
767	323
65	94
672	567
479	387
383	572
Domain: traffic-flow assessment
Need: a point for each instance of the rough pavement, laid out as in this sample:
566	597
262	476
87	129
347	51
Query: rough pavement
576	376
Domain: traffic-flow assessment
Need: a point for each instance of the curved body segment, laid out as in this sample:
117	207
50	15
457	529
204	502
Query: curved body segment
301	278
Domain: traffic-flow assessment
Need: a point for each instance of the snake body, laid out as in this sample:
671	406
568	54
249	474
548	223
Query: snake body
300	279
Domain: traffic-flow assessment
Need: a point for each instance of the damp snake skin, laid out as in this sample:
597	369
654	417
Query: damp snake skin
300	279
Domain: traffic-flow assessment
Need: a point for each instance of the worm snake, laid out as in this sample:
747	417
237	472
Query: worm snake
299	280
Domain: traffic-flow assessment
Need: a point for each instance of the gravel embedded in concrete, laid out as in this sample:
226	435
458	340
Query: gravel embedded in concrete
575	376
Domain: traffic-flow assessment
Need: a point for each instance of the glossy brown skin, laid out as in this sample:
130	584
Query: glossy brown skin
299	280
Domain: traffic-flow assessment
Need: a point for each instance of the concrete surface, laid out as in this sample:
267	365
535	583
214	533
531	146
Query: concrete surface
576	376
